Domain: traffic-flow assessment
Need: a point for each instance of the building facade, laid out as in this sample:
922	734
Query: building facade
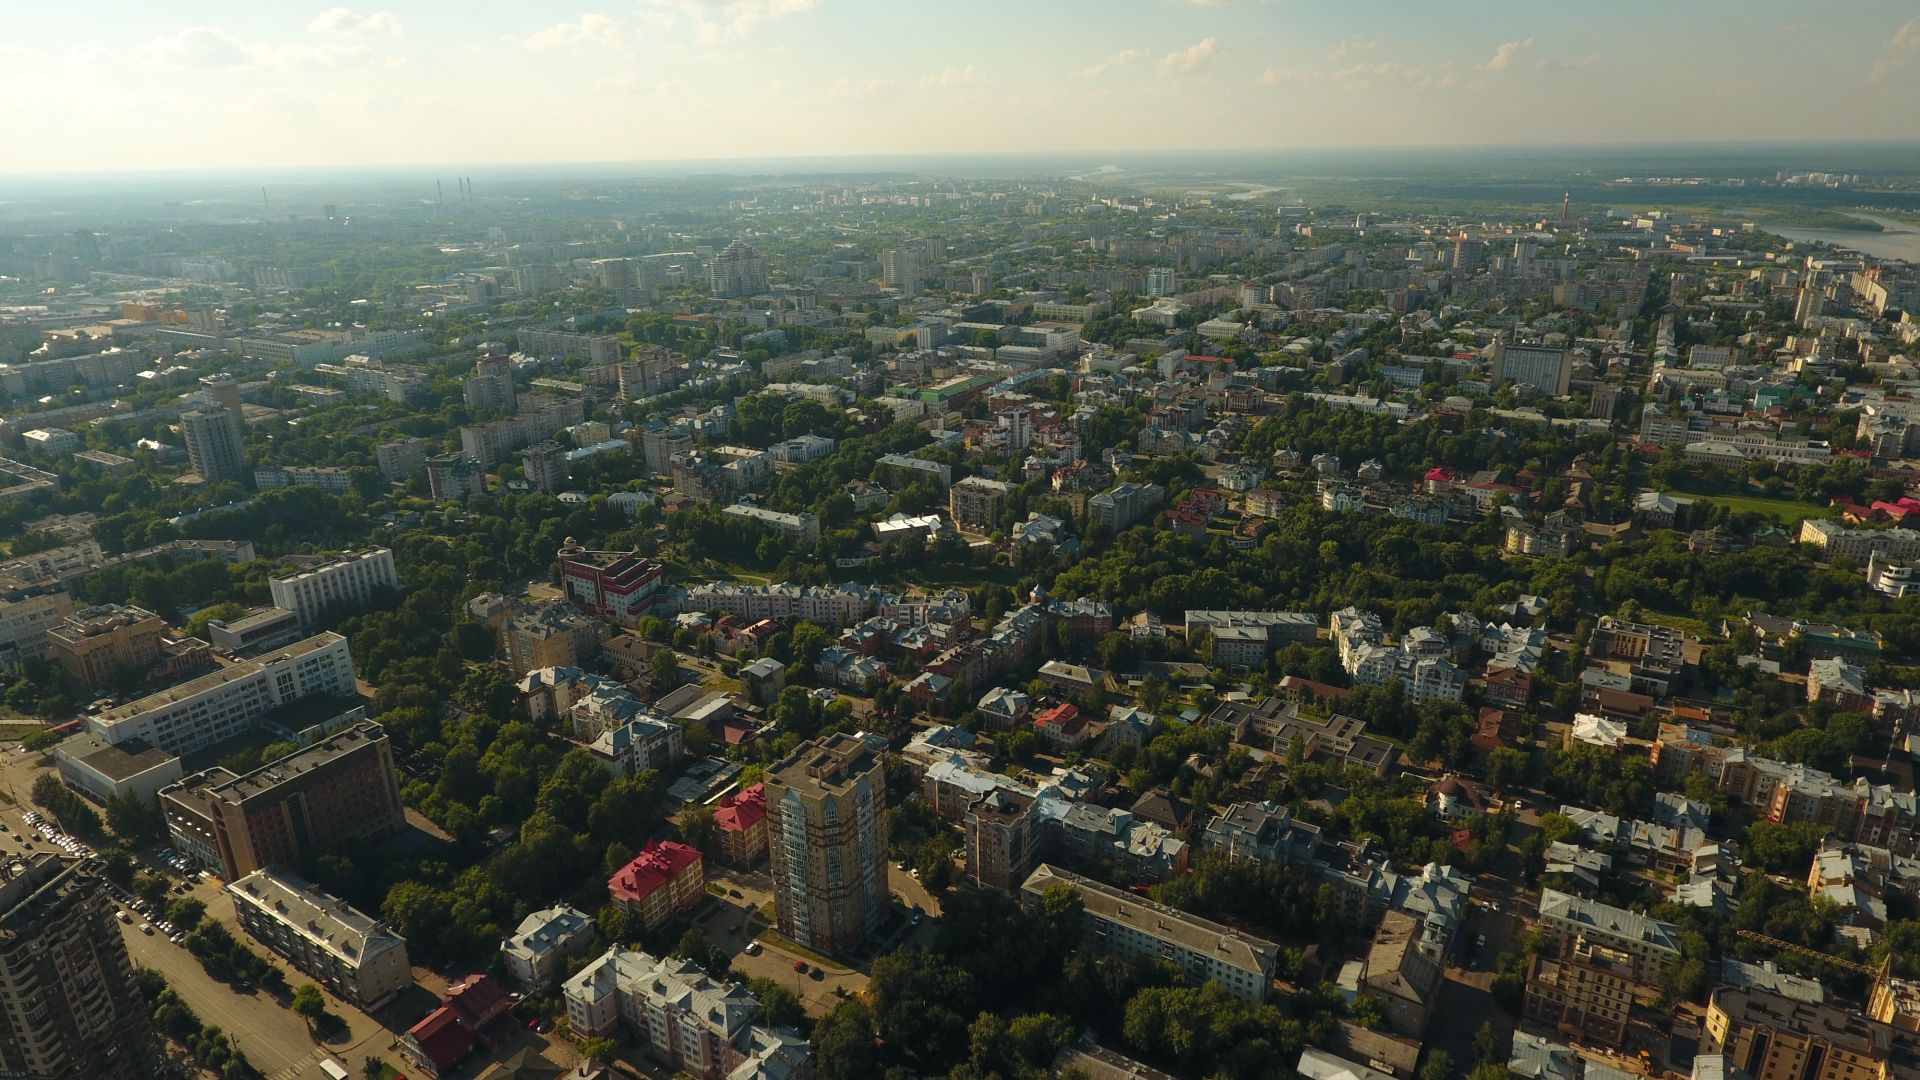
826	833
352	954
203	711
350	579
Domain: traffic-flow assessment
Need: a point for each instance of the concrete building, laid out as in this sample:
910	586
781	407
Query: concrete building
661	882
1648	944
27	612
619	586
451	477
343	789
349	580
740	826
1838	542
1584	993
215	444
543	940
100	770
692	1024
1768	1036
976	504
1002	838
260	630
593	348
826	832
69	1006
491	384
1548	368
203	711
550	636
99	645
354	955
1400	977
1129	925
1125	505
801	530
402	459
547	467
738	271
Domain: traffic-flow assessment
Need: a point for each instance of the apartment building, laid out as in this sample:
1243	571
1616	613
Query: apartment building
1769	1036
27	612
977	504
740	826
491	384
801	530
99	645
593	348
550	636
1125	505
543	940
1586	992
1002	838
451	477
69	1006
1647	944
1401	978
353	954
1133	926
826	832
402	459
350	579
689	1022
341	789
216	706
665	879
1840	543
214	443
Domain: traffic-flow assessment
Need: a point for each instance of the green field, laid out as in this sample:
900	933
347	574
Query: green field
1790	511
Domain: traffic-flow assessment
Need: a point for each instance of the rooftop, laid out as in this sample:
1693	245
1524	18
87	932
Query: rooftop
1190	932
321	917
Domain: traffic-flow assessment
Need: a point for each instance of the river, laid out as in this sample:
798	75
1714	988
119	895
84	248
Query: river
1897	240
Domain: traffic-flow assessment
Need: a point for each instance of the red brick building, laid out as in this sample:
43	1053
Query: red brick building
664	880
741	826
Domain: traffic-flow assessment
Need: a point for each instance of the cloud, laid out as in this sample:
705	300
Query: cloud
714	21
1393	72
1186	59
200	47
595	31
1353	46
1285	77
860	90
1507	53
345	22
953	76
1904	40
1119	59
1556	64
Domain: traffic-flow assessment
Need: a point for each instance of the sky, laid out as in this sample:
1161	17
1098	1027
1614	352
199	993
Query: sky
116	85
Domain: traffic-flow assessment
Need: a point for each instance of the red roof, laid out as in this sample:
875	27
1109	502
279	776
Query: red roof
656	865
1440	474
743	809
1063	716
441	1039
478	1000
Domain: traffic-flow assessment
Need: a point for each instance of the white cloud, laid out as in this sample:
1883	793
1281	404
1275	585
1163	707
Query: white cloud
714	21
1904	40
953	76
1119	59
1555	64
1393	72
200	47
1186	59
1507	53
345	22
1907	37
1353	46
860	90
1285	77
590	30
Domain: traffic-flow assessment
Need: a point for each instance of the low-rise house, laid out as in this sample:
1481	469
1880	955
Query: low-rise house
545	938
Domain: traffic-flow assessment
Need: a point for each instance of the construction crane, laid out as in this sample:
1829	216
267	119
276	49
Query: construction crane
1814	954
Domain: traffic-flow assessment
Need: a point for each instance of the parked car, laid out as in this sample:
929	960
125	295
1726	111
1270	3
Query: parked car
800	966
752	949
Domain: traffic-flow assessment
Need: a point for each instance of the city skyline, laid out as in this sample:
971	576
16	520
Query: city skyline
659	80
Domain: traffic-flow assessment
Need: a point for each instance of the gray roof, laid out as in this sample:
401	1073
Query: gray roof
1617	923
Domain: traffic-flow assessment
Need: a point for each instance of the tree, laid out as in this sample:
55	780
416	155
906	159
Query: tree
373	1069
186	913
843	1043
779	1006
600	1050
922	1003
134	818
1438	1065
309	1002
664	667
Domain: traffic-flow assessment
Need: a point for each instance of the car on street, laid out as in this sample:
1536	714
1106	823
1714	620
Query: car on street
800	966
752	949
816	975
125	918
147	929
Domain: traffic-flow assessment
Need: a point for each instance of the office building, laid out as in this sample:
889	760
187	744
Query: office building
737	272
543	940
1129	925
69	1007
826	833
100	645
214	443
491	384
617	585
665	879
976	503
100	770
352	954
216	706
342	789
260	630
451	477
347	582
1548	369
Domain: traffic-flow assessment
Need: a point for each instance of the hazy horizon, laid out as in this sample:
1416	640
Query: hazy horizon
204	86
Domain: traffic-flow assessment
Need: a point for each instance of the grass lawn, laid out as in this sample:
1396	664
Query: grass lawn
788	945
1790	511
1686	624
10	731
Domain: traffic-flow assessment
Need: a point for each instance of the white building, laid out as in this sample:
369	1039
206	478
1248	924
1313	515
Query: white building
533	954
350	579
200	712
802	529
684	1018
354	954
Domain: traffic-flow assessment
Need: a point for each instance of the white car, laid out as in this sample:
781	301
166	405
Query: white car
752	949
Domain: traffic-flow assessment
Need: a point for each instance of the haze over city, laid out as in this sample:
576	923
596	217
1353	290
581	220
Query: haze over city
197	84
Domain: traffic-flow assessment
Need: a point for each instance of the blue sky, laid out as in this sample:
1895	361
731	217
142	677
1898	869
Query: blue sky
196	84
